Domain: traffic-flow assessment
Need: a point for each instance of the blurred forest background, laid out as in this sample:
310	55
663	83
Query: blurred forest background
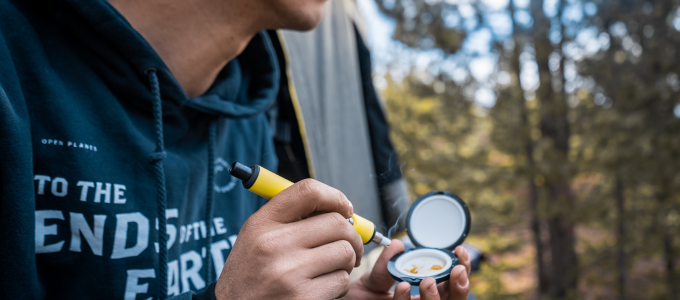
558	121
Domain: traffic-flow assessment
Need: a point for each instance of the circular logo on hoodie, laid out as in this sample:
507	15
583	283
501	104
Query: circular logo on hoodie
221	165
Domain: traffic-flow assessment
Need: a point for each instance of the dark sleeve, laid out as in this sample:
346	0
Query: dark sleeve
18	278
393	192
207	294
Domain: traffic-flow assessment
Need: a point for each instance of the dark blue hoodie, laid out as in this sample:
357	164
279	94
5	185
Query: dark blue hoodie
100	147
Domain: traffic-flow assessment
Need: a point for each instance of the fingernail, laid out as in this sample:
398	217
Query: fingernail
463	279
432	290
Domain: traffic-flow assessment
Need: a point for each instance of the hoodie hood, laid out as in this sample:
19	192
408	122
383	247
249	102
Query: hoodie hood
246	86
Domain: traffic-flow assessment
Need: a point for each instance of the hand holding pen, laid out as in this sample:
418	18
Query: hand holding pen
268	184
291	255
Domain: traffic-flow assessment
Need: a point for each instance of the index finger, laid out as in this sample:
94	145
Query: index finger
428	289
465	261
464	258
303	198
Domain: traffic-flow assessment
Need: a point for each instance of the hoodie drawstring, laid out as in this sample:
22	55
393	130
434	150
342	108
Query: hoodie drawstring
212	133
156	158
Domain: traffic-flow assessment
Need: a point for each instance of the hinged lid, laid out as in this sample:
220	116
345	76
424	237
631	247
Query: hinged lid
438	220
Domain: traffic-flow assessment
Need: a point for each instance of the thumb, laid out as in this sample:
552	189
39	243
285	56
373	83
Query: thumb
428	289
379	280
402	291
459	285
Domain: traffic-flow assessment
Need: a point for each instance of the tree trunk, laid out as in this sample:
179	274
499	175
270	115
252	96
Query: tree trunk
669	260
532	201
542	274
535	220
562	241
620	238
554	126
668	251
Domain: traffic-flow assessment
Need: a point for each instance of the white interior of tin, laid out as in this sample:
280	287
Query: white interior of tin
421	262
437	222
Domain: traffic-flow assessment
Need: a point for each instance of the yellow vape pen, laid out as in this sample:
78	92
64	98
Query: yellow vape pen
267	184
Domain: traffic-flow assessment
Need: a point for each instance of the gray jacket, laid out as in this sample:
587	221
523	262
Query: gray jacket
338	133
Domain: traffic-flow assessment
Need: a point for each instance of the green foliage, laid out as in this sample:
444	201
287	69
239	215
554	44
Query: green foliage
613	174
445	146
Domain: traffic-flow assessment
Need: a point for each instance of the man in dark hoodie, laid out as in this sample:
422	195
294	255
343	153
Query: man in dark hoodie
118	121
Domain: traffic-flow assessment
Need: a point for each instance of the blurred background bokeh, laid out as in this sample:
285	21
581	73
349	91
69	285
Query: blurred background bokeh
558	121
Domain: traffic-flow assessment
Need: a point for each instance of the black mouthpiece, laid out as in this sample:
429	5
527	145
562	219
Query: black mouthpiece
240	171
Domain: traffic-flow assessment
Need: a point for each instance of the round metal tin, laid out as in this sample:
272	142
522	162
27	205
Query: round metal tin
437	223
438	226
399	271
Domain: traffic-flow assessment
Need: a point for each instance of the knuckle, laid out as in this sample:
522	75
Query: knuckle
340	197
309	188
345	232
250	222
285	287
342	282
463	290
340	200
345	250
344	229
345	280
281	278
336	220
349	230
265	244
257	220
275	272
359	242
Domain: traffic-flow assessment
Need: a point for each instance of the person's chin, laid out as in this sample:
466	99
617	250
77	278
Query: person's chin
307	26
307	22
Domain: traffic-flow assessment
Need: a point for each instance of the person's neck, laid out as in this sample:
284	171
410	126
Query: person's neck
193	38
